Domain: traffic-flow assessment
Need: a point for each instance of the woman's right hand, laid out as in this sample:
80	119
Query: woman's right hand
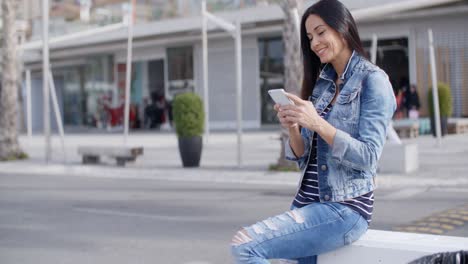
282	118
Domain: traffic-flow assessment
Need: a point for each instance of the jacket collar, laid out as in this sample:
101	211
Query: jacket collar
329	73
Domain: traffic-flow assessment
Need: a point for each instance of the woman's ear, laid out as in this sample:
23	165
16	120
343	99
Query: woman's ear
344	40
347	32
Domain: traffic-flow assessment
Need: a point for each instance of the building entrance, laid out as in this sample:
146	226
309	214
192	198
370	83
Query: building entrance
392	57
271	75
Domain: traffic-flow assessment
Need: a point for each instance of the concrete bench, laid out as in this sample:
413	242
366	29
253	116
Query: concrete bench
378	246
406	128
399	158
92	154
457	125
424	125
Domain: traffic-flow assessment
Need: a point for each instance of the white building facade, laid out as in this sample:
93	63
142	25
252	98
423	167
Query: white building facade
89	73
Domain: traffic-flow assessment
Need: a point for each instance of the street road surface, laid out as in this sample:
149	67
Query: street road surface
72	219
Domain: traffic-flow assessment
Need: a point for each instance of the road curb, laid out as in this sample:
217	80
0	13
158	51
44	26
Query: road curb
222	175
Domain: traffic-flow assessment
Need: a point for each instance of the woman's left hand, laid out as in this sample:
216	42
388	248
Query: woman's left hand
302	112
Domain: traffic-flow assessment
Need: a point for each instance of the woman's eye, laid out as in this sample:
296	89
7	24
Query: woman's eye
321	33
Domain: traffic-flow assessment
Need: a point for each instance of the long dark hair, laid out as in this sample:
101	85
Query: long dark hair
338	17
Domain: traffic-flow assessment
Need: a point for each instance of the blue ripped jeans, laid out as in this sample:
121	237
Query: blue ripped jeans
300	234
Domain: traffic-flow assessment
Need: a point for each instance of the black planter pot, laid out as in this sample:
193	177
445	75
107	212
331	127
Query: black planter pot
190	151
443	125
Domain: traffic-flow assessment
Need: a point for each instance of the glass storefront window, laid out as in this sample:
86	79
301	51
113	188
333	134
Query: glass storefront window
392	57
72	96
88	91
180	70
98	89
271	74
180	63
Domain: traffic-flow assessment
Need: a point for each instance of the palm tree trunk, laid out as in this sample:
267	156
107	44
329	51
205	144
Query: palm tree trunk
292	65
9	147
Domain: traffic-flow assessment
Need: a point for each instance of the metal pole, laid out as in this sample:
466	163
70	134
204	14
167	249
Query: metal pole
221	23
45	82
391	134
239	92
235	31
374	49
25	11
205	72
28	103
297	22
435	94
128	71
58	118
33	45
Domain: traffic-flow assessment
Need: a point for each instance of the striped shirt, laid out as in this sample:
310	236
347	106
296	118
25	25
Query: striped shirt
309	191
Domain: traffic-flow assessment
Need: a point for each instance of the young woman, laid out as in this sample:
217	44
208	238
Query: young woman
337	132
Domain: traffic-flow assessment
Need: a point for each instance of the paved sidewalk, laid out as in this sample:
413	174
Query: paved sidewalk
442	167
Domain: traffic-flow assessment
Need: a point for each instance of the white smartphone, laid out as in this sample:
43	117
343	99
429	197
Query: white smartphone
279	96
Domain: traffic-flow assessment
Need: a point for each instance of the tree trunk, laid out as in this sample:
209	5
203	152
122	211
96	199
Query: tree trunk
9	147
21	117
292	65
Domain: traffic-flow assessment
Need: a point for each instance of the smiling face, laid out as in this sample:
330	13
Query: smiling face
325	41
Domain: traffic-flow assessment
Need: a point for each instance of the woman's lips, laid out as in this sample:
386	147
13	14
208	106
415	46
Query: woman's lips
321	52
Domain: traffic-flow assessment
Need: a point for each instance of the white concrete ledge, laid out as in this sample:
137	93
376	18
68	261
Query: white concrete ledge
399	158
393	248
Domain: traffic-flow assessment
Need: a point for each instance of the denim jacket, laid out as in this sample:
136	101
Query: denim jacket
361	115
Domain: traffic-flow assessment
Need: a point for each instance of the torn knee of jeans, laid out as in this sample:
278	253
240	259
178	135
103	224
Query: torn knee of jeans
270	224
241	237
258	229
297	216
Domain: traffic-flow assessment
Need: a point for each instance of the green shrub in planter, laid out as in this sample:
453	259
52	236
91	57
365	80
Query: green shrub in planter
445	100
189	120
189	116
445	107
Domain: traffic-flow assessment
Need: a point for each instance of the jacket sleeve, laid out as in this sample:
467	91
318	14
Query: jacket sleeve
289	153
376	110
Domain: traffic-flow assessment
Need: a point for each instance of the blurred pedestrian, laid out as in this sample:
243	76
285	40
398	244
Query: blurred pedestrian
400	102
412	102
